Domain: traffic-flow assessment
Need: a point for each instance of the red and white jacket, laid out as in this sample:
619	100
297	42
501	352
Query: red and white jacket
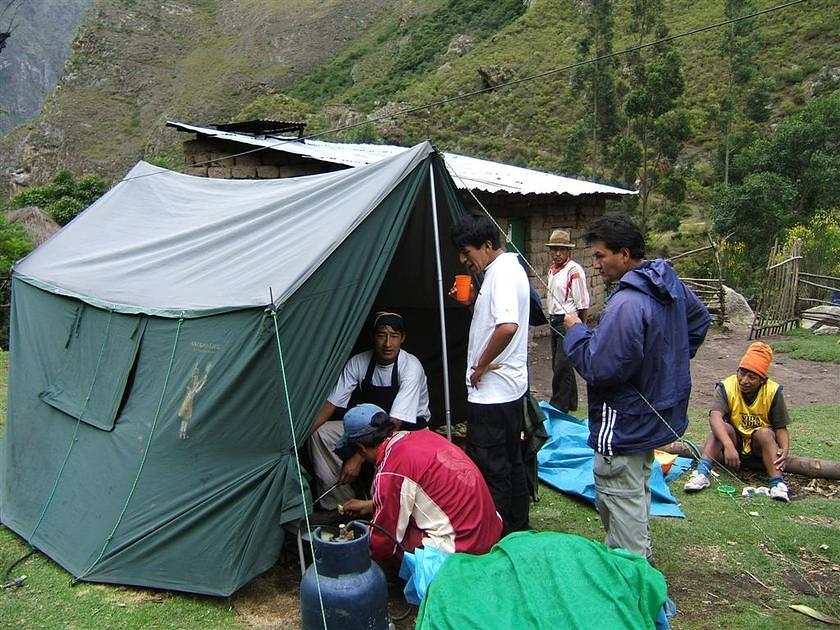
567	290
427	492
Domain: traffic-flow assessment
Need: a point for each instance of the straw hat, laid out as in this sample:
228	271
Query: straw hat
560	238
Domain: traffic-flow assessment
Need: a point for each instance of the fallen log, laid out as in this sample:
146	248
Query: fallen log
806	466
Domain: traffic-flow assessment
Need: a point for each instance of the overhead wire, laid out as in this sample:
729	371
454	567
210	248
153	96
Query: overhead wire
451	99
12	26
295	450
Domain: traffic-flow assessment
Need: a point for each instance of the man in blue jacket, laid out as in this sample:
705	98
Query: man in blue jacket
635	364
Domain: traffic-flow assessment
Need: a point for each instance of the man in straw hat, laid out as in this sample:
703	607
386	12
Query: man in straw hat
748	419
567	293
386	376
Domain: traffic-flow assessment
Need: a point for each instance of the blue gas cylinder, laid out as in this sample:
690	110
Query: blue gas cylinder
353	588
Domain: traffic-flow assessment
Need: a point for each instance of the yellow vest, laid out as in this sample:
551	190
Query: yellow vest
747	418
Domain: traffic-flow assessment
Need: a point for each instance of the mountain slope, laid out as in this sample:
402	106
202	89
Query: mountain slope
134	64
338	61
34	55
529	123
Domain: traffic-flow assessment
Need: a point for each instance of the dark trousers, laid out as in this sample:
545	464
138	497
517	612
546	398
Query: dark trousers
495	445
564	394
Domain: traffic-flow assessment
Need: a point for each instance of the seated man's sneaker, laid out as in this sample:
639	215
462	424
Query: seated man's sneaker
780	492
696	483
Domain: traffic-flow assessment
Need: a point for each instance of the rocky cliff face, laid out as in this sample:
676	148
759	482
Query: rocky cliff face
135	64
34	55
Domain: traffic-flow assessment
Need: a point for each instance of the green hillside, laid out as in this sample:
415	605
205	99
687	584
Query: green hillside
796	58
135	64
529	123
340	62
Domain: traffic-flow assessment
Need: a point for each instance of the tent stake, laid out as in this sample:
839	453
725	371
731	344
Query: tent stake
444	353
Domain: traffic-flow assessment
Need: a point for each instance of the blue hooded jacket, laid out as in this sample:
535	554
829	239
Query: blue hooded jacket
650	327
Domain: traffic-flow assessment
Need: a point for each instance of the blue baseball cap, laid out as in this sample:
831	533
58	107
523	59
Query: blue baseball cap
361	421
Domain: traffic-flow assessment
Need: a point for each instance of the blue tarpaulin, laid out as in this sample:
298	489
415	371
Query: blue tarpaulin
418	569
565	463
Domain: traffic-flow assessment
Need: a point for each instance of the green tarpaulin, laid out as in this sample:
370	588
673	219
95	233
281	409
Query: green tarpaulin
149	440
544	580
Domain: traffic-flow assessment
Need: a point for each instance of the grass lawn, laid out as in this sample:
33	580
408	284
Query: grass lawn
804	344
707	558
792	548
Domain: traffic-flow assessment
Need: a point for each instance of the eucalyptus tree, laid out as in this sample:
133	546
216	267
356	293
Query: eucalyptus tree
784	180
657	128
597	81
739	45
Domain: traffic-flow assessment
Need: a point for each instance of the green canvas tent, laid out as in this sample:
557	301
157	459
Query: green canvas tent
165	342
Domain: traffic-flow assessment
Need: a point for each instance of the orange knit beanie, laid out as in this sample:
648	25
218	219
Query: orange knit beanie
757	358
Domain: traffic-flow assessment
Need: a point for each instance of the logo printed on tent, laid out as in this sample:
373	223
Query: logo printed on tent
194	387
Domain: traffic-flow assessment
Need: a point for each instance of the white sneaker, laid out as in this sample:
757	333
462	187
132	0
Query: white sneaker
780	492
697	482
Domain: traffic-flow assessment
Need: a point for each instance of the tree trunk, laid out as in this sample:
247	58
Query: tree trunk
814	468
594	164
726	161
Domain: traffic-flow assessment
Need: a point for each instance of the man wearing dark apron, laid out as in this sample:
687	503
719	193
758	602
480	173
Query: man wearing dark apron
386	376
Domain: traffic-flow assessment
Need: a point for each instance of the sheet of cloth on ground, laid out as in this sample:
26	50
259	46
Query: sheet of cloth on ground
418	569
544	580
565	463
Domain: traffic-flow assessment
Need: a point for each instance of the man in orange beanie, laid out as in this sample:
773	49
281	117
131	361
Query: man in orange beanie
748	418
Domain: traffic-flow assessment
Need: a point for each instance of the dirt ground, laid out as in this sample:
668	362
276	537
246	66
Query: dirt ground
805	382
272	600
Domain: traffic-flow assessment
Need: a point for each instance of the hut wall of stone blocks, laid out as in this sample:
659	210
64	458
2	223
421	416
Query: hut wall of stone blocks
207	157
542	214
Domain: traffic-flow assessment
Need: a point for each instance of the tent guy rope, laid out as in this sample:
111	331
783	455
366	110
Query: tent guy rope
297	458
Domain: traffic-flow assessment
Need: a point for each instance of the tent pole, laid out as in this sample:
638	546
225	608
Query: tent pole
444	352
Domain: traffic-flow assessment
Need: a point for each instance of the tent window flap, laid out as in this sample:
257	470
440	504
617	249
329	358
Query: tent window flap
100	354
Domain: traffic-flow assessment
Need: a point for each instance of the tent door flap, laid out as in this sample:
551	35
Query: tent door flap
90	384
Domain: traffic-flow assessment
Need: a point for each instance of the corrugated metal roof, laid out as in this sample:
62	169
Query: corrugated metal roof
468	172
260	126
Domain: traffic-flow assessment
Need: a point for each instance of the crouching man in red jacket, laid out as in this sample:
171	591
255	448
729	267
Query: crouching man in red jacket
426	491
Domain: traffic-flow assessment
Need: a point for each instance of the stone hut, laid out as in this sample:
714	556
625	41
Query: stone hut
528	204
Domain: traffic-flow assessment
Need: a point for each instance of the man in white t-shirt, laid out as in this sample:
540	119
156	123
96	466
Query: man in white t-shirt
497	366
567	293
386	376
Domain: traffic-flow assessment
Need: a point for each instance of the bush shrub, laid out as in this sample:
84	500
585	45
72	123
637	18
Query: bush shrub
667	221
15	243
820	251
64	209
64	197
